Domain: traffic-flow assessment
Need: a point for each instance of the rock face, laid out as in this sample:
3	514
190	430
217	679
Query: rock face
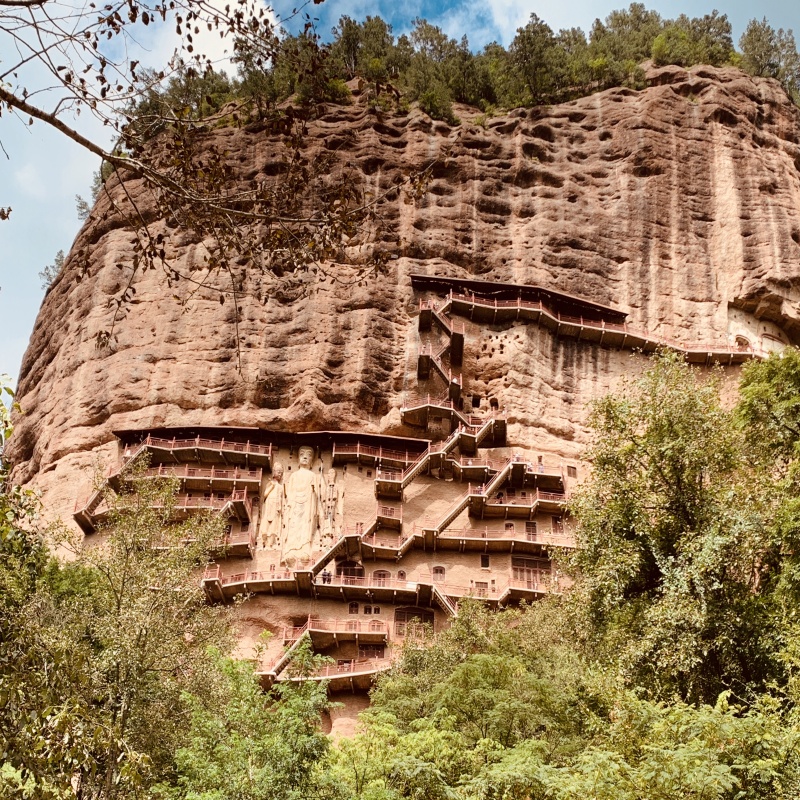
678	204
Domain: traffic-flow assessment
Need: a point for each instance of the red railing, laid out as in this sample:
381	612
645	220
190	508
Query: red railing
530	498
212	473
389	512
249	576
436	447
91	503
240	537
378	453
392	541
691	347
420	400
291	634
201	443
370	582
542	583
444	317
355	667
214	502
559	539
487	592
495	464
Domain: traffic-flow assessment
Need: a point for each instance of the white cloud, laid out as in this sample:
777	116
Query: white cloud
479	27
508	15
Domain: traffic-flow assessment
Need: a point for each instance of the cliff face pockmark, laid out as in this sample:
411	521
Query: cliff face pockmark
675	204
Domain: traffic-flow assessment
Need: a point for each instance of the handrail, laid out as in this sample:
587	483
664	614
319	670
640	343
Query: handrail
359	665
335	626
390	512
488	534
252	576
534	496
378	453
185	501
725	348
370	582
413	401
212	473
201	443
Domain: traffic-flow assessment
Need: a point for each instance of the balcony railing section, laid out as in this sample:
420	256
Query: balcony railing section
292	634
370	582
531	497
555	538
210	473
214	502
378	454
252	576
719	347
199	443
359	666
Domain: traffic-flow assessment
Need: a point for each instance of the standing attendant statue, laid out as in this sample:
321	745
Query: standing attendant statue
332	510
272	520
301	516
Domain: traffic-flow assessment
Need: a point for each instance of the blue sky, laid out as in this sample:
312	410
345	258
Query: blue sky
43	171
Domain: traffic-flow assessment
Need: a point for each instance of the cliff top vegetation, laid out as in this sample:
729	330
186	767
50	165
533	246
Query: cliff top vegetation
539	67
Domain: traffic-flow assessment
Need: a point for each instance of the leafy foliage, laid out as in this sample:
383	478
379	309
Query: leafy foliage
52	271
98	648
250	745
771	54
577	732
671	539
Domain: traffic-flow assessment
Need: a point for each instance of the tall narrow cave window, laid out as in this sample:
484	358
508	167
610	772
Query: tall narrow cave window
438	574
352	608
572	472
484	561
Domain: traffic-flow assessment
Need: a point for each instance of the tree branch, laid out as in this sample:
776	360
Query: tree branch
51	119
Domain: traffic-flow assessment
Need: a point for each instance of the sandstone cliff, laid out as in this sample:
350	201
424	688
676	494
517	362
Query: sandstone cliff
679	205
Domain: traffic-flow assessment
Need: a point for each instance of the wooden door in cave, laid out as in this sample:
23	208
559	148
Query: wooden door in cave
531	572
350	573
411	620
